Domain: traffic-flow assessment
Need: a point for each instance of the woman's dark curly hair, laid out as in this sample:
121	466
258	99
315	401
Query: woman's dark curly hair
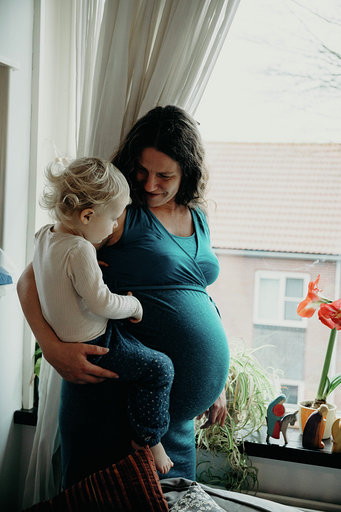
173	132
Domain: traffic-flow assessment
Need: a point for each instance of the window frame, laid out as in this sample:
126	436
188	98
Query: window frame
282	276
300	391
4	101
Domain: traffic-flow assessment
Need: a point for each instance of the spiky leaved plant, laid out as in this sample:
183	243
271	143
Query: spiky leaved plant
249	388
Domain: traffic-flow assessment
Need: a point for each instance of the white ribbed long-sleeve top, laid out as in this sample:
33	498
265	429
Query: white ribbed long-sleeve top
73	297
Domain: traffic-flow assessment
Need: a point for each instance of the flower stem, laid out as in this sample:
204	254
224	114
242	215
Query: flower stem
322	392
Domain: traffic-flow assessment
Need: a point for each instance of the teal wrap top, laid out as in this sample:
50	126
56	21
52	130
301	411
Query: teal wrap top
169	275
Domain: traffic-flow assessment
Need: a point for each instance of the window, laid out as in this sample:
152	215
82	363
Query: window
293	390
273	156
277	297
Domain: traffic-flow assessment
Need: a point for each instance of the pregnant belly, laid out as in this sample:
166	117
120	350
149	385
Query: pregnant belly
186	326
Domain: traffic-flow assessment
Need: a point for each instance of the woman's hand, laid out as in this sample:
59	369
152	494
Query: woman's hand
216	413
70	361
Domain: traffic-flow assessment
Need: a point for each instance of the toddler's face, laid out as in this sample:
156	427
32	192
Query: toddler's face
104	220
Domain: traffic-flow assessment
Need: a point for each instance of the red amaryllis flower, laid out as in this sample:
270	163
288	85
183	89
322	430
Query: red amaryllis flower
330	314
312	302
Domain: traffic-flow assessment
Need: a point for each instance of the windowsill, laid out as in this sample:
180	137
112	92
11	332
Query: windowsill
255	445
293	452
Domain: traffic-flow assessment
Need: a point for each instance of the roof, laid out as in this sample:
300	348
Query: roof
275	197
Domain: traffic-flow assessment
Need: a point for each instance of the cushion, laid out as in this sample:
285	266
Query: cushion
196	500
131	485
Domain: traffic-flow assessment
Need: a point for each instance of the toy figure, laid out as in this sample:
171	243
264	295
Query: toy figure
288	419
336	436
314	429
275	413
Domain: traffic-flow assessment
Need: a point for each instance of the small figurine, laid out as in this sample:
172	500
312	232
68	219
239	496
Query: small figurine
288	419
314	429
275	413
336	436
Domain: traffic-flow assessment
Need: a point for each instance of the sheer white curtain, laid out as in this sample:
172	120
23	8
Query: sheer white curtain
150	52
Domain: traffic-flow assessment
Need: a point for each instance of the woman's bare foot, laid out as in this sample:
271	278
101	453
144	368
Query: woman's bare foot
162	462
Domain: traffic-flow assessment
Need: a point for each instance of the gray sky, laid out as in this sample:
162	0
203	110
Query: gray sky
258	90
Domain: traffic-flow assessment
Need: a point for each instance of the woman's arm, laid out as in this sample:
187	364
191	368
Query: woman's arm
69	359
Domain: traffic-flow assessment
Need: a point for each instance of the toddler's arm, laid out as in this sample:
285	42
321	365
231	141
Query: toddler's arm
86	277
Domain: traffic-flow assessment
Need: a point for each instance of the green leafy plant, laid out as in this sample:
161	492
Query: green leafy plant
37	359
249	389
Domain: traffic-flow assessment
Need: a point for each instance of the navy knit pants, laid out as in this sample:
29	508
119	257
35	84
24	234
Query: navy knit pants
149	376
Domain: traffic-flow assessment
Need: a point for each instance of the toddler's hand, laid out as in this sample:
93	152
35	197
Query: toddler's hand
102	263
133	319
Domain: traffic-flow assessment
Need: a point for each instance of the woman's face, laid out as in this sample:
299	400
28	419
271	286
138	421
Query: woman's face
159	177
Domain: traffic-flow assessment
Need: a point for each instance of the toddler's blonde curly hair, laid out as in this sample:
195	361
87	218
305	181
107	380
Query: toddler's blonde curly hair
84	183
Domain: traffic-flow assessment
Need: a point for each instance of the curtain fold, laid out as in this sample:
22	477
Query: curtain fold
149	52
87	17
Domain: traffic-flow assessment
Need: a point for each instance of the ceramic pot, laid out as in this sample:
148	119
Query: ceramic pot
211	467
305	411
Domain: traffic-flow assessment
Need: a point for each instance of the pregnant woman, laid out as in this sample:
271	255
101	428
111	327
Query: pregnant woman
161	252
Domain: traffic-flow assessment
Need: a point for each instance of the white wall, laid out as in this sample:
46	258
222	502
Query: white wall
16	21
302	481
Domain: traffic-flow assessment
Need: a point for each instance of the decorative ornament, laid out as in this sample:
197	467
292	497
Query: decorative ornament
314	429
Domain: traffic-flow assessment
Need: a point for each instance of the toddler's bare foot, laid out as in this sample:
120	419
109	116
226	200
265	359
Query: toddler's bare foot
162	462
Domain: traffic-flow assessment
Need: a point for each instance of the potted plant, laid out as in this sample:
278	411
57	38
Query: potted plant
249	389
329	314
